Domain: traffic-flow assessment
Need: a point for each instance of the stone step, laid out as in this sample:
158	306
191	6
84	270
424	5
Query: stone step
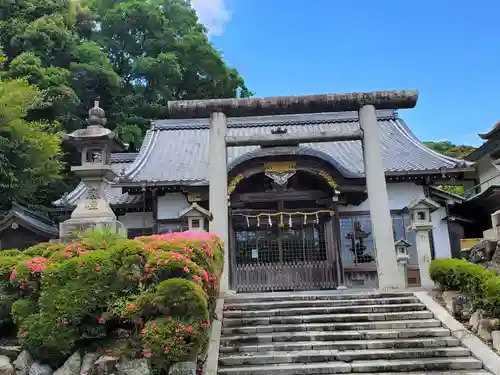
394	324
326	310
327	318
319	303
336	335
311	296
434	342
310	356
420	364
405	365
456	372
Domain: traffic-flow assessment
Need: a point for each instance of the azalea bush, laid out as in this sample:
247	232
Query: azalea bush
151	296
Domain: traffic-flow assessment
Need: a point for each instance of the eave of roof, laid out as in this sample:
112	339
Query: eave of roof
183	146
490	146
29	219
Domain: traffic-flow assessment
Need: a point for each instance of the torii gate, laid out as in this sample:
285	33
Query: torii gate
365	103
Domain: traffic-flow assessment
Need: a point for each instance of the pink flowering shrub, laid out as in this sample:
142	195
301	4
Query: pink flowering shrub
153	295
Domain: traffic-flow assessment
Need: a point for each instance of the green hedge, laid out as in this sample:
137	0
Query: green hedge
152	296
481	284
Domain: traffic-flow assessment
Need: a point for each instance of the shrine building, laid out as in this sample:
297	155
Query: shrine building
300	188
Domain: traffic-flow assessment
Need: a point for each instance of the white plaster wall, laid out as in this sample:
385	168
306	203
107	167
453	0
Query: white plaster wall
137	220
400	195
170	205
440	234
486	171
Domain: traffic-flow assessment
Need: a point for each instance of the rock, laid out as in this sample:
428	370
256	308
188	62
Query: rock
71	366
183	368
135	367
462	306
485	327
448	297
6	368
88	363
11	351
105	365
38	369
475	318
23	363
495	336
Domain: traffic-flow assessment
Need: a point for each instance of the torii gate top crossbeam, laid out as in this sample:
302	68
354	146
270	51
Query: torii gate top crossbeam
281	105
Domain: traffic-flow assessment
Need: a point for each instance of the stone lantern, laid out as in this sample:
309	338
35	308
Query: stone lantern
402	258
196	217
420	222
95	144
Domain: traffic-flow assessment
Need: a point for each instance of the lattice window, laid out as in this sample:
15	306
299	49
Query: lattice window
281	245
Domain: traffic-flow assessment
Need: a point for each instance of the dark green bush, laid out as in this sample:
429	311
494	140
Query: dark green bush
473	279
22	309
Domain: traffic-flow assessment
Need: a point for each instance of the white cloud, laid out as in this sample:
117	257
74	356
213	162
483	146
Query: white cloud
213	14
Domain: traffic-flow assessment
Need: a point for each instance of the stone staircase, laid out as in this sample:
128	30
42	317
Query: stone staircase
336	333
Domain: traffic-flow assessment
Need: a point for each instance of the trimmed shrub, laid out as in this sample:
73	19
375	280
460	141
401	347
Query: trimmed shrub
22	309
10	253
473	279
167	341
105	290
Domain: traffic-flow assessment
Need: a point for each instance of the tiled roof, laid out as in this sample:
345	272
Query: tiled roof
30	218
176	151
120	162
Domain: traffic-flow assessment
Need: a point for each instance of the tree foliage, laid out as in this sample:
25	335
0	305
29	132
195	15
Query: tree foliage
29	150
132	55
449	149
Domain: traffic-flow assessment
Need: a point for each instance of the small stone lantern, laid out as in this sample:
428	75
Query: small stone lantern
402	258
196	216
420	222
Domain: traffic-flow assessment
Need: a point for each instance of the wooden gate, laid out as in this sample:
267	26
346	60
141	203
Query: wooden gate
282	259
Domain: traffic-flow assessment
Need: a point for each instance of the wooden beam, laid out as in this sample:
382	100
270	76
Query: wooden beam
310	195
293	139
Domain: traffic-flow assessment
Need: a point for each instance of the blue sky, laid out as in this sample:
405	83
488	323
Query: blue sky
448	50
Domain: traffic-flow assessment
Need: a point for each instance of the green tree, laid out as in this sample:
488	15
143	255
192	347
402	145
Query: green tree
449	149
132	55
29	150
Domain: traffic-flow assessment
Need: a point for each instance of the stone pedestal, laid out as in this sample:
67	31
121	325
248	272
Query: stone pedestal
424	257
402	260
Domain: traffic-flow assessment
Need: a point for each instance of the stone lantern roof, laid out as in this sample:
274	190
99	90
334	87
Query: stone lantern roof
95	132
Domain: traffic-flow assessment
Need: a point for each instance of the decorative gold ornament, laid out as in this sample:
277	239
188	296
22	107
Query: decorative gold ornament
329	180
234	182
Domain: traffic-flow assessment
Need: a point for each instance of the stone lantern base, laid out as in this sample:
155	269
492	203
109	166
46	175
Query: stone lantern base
70	228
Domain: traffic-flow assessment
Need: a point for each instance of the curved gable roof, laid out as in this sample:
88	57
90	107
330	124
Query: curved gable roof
176	151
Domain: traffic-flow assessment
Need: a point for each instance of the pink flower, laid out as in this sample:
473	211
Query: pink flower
147	353
196	278
12	276
153	326
97	268
186	270
189	329
165	350
101	320
82	262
